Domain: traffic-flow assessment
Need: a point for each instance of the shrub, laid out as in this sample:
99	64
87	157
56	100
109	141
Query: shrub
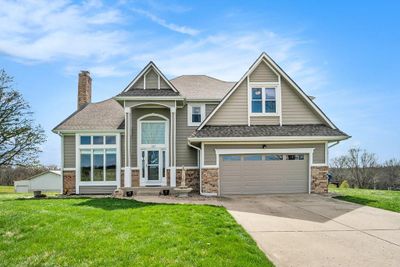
344	184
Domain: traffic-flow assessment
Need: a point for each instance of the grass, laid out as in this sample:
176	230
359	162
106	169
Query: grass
114	232
6	189
383	199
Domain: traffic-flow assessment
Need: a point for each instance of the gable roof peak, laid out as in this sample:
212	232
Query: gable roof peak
149	65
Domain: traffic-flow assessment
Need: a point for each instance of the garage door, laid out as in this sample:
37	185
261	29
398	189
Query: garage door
260	174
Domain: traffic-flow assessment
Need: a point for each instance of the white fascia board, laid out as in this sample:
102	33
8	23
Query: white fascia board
146	98
91	131
268	138
263	151
203	100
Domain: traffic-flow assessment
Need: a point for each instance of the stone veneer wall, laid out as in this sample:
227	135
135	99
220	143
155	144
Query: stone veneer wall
209	179
122	178
69	182
319	182
135	178
192	178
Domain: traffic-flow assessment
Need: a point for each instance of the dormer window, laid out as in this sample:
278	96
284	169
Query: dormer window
196	114
263	100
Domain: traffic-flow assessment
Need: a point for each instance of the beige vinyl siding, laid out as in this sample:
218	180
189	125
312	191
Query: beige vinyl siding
185	155
266	120
139	84
263	73
164	84
104	189
210	108
151	80
210	156
234	110
294	109
137	113
122	145
69	151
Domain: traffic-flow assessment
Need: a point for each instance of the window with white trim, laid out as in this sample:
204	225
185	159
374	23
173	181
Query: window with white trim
98	158
263	100
196	114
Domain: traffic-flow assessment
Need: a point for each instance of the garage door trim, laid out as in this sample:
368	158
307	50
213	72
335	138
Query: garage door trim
309	151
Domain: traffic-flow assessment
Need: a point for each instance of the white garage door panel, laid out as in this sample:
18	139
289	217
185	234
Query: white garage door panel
264	176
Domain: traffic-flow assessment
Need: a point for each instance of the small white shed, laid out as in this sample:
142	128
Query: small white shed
49	181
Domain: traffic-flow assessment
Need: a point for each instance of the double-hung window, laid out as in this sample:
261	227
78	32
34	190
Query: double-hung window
263	100
196	114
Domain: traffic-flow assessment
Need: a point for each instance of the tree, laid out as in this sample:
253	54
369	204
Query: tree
362	166
338	169
391	173
20	138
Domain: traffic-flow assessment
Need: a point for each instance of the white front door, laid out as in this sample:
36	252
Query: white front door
153	144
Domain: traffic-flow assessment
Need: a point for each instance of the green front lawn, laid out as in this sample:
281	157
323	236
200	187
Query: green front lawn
388	200
113	232
4	189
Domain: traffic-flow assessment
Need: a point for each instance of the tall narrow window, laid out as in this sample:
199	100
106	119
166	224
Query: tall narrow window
163	163
256	100
98	165
196	114
111	165
86	163
270	100
143	163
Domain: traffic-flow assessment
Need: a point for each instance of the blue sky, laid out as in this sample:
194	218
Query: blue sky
345	53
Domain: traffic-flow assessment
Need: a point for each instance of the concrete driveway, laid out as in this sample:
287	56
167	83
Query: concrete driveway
312	230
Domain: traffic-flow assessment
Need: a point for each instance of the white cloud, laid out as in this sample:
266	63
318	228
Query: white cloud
51	30
90	36
168	25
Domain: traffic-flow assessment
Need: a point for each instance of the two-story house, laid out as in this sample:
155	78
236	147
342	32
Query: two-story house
261	134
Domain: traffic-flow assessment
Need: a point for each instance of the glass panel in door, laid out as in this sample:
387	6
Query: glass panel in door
153	162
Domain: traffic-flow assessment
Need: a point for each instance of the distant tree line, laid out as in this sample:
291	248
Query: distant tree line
10	174
362	169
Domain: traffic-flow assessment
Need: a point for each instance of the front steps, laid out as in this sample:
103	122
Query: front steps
144	191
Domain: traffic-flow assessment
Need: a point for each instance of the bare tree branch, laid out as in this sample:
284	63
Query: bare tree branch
20	138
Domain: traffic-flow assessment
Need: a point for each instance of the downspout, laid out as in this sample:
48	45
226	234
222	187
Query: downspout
198	163
334	144
62	161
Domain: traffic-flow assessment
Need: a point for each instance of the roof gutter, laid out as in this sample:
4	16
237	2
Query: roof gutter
269	138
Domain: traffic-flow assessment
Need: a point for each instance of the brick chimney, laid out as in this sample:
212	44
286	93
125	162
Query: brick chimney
84	89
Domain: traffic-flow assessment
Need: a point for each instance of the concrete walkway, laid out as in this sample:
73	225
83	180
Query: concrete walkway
312	230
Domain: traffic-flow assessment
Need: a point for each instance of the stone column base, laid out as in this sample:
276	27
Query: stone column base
135	178
319	179
209	181
69	179
192	178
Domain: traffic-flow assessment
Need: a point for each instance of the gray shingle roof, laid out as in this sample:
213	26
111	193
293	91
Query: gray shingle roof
201	87
149	92
268	130
105	115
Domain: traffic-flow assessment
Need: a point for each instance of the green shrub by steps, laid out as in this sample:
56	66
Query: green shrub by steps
344	184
